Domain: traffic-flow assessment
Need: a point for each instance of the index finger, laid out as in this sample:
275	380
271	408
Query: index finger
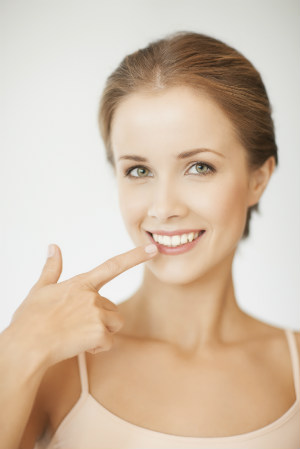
111	268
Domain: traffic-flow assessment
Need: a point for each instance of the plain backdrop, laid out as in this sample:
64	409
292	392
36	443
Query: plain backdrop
56	186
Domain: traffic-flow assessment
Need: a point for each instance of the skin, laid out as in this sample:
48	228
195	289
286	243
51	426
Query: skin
184	321
196	288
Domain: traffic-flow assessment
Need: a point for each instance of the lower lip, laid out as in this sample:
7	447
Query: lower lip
173	251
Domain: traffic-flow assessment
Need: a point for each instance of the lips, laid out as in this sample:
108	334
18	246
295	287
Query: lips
169	250
170	233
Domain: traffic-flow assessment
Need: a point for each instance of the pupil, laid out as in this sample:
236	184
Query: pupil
200	165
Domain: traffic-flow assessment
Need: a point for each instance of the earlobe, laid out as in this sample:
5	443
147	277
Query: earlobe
259	179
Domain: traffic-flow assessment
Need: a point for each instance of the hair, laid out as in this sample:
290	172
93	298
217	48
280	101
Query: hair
207	65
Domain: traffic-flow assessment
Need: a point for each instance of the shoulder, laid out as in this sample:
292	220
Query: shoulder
279	344
297	338
269	331
272	339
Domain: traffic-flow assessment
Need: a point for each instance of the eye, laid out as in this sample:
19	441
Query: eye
140	172
202	169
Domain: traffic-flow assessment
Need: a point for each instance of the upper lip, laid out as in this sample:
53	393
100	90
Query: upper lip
178	232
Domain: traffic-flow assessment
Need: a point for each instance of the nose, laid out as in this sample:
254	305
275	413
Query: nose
165	201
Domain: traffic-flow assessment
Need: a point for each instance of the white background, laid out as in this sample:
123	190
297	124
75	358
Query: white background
55	183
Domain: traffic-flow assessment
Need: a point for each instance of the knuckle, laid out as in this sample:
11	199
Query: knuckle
121	320
79	279
107	304
75	285
69	285
112	266
69	290
90	303
93	298
106	344
105	339
116	324
116	328
102	315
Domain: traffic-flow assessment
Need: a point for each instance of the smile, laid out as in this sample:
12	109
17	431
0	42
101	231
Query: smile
175	243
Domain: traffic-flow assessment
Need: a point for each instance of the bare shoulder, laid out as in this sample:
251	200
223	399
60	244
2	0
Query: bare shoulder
272	340
297	335
57	393
266	330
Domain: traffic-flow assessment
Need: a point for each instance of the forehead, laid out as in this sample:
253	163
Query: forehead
177	118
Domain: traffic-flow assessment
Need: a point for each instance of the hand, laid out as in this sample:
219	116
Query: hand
69	317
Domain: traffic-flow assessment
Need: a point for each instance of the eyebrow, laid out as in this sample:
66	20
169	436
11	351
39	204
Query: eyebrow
183	155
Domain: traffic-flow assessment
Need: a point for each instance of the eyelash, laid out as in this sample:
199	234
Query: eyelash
130	169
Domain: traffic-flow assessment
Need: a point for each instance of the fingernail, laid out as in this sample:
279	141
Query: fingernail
151	248
51	251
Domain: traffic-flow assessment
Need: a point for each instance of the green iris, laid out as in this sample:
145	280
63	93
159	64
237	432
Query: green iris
203	166
142	171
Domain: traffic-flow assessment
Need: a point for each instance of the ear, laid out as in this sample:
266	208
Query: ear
258	180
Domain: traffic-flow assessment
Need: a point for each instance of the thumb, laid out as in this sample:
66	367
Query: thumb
52	268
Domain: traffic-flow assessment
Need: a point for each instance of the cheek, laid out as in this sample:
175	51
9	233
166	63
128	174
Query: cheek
223	204
132	204
231	210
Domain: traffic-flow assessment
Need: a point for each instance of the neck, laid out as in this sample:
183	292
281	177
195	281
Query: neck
191	316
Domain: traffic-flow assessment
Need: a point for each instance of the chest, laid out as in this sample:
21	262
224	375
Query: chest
224	395
220	396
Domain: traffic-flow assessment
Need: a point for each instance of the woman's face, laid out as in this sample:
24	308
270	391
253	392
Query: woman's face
180	167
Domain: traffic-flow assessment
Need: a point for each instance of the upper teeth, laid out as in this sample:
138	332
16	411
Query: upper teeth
175	240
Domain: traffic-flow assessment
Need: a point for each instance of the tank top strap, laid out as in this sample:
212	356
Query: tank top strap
294	359
83	373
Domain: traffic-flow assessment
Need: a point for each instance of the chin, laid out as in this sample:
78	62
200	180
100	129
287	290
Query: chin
179	270
175	275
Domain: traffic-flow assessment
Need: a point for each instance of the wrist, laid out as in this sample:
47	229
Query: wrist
24	348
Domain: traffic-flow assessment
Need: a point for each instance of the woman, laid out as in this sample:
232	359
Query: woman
187	127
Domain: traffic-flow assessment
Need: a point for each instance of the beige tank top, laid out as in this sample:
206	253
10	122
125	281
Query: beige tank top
89	425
